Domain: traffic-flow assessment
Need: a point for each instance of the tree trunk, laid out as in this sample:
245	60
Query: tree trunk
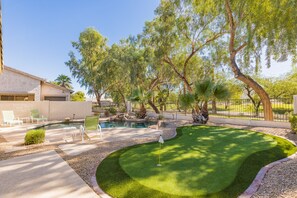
268	115
214	106
150	102
240	76
98	98
142	111
204	110
123	98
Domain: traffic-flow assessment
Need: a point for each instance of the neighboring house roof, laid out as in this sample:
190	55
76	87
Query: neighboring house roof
43	80
57	86
23	73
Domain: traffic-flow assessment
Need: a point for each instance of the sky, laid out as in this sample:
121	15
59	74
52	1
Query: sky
37	34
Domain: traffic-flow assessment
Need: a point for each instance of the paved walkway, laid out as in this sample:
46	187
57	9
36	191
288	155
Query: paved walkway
39	175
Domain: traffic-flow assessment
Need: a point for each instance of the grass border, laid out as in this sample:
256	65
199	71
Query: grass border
109	173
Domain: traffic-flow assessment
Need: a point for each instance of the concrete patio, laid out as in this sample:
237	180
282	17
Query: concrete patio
44	175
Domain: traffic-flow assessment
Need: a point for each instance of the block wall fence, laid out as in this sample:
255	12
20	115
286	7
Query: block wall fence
53	110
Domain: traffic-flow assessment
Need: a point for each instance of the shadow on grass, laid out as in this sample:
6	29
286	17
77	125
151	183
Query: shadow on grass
116	182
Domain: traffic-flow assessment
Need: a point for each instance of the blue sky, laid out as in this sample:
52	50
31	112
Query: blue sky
37	34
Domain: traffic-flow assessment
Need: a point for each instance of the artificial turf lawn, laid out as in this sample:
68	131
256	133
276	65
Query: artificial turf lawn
202	161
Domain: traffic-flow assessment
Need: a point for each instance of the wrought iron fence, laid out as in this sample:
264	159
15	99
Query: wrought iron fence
244	108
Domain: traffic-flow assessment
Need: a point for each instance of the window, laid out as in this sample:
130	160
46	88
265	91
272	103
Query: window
55	98
7	98
16	97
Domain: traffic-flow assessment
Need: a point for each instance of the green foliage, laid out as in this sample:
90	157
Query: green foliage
293	121
89	68
140	96
78	96
160	117
205	91
260	25
178	35
35	136
112	110
186	101
63	81
123	109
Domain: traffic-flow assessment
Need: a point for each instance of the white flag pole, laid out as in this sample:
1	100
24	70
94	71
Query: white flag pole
161	141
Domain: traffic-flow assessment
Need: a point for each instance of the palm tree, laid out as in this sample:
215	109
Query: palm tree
64	81
205	91
142	97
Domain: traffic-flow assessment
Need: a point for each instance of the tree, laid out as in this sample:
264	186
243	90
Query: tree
177	35
78	96
120	80
64	81
254	26
88	65
281	87
137	69
205	91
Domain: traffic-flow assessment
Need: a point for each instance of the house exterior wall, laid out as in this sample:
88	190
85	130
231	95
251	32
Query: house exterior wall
11	82
48	90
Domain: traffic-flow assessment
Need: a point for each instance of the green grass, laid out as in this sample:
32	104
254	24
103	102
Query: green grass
202	161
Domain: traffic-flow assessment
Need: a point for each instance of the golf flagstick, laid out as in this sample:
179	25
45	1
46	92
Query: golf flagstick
161	141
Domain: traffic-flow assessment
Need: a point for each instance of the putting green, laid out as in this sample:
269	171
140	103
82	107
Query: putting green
200	161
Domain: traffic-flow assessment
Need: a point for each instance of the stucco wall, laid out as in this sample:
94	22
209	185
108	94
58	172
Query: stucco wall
11	82
53	110
48	90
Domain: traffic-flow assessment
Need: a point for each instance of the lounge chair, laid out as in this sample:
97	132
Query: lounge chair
35	116
9	119
91	123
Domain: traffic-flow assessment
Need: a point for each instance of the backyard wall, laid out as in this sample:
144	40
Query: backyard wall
53	110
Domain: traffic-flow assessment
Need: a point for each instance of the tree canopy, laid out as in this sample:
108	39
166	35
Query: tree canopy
87	64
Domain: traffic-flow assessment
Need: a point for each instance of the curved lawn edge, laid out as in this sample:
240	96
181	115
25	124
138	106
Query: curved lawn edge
246	173
253	188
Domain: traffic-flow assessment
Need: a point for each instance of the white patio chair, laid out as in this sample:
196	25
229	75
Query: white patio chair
9	119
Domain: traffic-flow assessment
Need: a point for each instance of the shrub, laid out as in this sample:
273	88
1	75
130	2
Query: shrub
112	110
123	110
160	117
35	136
293	121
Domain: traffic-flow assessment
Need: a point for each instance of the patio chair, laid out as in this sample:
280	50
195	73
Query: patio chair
35	116
9	119
91	123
